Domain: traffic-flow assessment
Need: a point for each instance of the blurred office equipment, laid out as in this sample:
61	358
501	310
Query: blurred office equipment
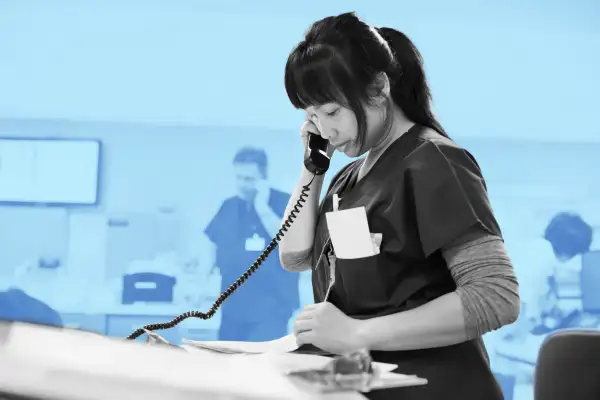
590	282
148	287
49	171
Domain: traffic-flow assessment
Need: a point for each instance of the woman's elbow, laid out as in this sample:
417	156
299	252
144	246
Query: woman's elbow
513	311
510	303
296	261
491	304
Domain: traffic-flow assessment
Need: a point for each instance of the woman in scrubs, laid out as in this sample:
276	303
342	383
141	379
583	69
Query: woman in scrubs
442	277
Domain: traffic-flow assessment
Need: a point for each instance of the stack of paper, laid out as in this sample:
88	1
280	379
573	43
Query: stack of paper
285	344
308	369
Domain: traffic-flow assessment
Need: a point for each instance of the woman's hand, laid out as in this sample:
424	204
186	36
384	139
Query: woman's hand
323	325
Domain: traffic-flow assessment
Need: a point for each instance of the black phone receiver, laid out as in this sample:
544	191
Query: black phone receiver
316	159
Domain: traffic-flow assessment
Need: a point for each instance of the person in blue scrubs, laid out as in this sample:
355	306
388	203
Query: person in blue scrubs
260	309
441	277
16	305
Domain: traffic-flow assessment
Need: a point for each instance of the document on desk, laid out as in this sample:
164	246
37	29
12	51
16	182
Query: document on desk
285	344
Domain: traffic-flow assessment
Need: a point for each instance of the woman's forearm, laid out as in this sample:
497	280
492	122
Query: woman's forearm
295	248
435	324
486	299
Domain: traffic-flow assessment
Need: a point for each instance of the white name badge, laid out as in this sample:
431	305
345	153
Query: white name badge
255	243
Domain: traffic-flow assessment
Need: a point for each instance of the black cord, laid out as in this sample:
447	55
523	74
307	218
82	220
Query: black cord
211	312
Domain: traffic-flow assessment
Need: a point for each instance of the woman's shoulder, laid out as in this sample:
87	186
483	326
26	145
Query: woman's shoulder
434	150
432	139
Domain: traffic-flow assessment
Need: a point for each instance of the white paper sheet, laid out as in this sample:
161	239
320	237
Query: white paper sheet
285	344
350	235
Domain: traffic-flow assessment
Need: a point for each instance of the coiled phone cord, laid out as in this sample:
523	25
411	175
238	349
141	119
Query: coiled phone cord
211	312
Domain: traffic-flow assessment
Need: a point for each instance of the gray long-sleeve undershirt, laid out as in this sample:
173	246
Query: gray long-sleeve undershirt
486	283
484	276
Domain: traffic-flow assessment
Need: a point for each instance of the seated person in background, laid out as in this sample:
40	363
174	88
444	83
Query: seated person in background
16	305
544	307
569	237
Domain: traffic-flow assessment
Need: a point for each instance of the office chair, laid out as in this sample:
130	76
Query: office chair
148	287
568	366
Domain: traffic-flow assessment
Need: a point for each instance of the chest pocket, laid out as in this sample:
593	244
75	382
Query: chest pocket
365	284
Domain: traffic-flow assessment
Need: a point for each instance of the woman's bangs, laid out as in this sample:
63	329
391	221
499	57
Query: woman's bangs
314	78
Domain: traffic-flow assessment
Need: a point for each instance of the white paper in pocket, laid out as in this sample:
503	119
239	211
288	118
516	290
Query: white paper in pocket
349	232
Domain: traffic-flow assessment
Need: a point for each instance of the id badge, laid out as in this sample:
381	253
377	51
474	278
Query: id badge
255	243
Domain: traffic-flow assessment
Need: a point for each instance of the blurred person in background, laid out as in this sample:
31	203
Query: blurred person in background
554	302
16	305
260	309
551	298
16	301
570	237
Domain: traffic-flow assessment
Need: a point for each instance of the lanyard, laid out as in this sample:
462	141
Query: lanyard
331	262
330	257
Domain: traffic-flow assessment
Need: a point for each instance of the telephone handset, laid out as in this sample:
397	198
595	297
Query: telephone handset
316	161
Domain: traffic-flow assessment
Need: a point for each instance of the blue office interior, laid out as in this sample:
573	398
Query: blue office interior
172	90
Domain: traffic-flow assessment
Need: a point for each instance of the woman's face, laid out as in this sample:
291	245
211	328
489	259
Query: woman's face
339	126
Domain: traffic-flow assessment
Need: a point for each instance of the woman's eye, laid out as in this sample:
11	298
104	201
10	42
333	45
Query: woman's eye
333	113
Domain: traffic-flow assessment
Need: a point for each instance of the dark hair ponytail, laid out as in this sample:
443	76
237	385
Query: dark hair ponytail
340	59
410	90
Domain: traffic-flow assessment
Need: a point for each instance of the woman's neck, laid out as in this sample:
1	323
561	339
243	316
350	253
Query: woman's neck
400	125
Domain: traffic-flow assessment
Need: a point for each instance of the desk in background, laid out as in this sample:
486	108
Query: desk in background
121	320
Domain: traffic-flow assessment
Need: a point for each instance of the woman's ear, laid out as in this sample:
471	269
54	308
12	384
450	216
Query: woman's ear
386	89
380	88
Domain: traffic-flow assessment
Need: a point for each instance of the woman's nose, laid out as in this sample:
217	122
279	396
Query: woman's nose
324	130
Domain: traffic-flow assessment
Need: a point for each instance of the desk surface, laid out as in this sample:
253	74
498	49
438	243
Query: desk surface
71	364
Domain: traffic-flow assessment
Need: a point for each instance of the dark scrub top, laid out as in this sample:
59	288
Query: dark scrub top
422	194
271	292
